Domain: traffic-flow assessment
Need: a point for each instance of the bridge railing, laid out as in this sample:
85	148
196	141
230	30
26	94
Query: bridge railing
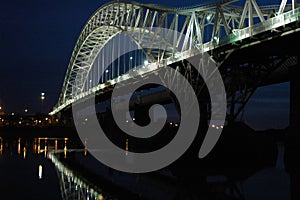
139	70
268	25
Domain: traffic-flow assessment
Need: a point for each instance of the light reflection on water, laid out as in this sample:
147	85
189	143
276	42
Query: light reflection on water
14	153
40	145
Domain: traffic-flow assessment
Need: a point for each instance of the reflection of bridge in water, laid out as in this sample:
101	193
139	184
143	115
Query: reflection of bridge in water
252	46
72	185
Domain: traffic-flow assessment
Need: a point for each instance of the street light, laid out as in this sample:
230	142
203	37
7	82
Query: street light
42	98
130	62
90	84
107	75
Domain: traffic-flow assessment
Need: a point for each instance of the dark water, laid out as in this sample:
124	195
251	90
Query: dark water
25	173
21	177
272	183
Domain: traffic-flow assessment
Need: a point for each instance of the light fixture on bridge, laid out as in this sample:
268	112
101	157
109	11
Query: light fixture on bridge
216	39
209	17
146	62
106	71
131	58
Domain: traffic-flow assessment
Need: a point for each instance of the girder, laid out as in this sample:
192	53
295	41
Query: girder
198	29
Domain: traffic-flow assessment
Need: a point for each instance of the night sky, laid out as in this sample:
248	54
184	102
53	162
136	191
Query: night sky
37	38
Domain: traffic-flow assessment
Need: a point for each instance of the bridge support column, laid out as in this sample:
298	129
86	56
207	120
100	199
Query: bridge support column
292	153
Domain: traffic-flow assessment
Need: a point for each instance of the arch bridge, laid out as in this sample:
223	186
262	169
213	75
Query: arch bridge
232	35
